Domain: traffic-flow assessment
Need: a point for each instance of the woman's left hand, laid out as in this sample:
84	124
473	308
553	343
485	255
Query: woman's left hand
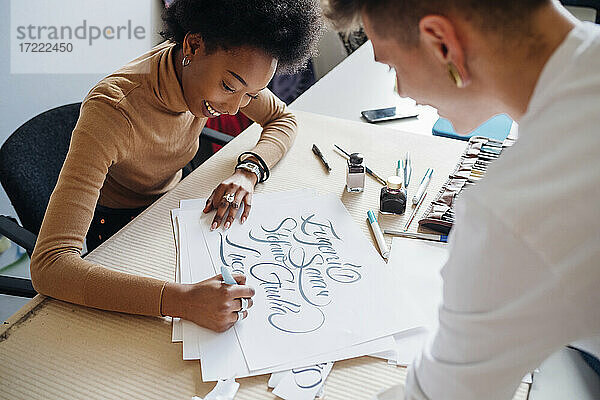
240	185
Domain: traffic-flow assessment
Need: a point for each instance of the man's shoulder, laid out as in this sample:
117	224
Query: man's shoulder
544	189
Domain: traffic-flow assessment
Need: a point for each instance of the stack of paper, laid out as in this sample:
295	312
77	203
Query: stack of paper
323	293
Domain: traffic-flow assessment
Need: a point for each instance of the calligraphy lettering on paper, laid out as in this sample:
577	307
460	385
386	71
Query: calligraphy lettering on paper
309	377
296	262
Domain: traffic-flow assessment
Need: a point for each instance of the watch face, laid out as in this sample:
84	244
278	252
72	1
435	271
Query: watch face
251	167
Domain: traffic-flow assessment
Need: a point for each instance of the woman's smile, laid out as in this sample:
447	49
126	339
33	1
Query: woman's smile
209	111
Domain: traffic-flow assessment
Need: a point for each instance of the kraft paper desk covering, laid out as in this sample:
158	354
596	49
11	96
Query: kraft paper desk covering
53	349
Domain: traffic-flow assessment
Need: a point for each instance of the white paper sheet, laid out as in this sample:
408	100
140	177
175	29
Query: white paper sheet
191	348
417	264
408	345
221	353
177	333
231	364
275	378
314	275
191	331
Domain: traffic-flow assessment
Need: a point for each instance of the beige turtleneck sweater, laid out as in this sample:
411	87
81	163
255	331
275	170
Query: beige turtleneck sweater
133	136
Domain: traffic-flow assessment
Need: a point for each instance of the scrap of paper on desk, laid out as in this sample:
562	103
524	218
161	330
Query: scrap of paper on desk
302	383
224	390
417	265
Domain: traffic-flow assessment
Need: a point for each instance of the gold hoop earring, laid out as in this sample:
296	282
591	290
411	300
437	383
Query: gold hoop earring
454	75
186	61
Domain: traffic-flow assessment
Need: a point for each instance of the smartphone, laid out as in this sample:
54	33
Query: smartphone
386	114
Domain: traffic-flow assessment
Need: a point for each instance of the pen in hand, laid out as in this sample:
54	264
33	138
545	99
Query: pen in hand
229	279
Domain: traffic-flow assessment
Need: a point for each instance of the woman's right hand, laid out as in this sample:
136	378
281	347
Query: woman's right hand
212	303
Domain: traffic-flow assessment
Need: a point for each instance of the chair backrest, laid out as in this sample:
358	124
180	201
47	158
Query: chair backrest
31	159
594	4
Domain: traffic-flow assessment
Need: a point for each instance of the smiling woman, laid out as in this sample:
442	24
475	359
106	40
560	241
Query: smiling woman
140	125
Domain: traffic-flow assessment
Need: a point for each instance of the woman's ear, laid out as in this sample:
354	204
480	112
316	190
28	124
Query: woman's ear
438	35
193	45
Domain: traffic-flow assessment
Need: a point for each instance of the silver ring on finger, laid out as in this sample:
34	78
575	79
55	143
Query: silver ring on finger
244	304
240	316
229	197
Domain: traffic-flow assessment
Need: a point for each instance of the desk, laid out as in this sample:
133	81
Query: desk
52	349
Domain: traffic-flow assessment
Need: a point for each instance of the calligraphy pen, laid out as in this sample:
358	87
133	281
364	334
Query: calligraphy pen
318	153
227	277
369	171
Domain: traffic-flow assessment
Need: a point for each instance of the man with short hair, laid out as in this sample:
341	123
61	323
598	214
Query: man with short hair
523	272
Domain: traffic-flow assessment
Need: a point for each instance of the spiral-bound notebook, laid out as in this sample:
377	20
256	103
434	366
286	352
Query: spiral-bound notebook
497	128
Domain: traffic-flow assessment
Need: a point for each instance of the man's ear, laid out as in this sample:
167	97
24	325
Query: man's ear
193	44
438	35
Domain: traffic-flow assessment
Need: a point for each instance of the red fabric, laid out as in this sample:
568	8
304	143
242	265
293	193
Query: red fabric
230	124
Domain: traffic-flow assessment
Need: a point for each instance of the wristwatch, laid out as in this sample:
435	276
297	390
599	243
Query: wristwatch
252	167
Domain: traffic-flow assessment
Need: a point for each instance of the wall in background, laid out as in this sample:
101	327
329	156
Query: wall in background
23	96
331	53
583	13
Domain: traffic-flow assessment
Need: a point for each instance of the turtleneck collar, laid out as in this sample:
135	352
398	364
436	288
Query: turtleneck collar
168	89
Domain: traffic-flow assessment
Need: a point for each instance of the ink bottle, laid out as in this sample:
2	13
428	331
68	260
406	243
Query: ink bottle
393	197
355	173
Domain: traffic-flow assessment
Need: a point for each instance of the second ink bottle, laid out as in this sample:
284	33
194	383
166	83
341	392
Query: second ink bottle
392	199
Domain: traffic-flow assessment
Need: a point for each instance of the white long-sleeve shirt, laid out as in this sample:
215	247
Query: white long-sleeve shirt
523	275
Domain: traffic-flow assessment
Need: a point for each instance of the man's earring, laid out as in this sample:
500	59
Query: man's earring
186	61
455	76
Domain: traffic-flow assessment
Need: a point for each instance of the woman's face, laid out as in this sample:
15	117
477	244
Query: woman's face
224	81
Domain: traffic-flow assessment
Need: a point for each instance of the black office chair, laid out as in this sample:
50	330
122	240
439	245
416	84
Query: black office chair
30	161
595	4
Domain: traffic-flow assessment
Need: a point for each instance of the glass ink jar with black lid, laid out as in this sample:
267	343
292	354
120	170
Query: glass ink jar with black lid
355	173
392	199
